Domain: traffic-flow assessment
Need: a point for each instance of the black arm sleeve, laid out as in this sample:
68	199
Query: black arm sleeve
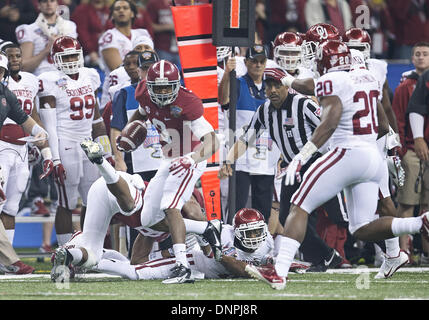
15	113
419	100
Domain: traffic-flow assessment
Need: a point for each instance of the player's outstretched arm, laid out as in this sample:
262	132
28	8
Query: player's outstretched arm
236	267
237	150
209	146
304	86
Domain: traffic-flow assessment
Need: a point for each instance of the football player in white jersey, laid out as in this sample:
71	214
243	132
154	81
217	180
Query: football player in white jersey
70	113
117	192
115	43
288	54
359	43
310	41
13	152
37	38
352	120
247	241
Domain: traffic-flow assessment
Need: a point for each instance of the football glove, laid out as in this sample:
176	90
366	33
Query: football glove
59	172
181	165
48	164
292	171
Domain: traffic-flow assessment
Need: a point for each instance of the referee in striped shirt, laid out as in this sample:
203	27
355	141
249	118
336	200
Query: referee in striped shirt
291	120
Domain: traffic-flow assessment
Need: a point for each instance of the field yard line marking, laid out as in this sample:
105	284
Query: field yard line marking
352	280
47	276
364	269
309	295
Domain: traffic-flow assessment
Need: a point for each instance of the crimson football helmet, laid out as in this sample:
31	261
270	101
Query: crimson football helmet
317	34
359	39
163	82
67	46
333	55
250	228
287	50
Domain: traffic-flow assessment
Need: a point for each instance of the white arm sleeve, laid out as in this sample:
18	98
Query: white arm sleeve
49	120
200	127
417	122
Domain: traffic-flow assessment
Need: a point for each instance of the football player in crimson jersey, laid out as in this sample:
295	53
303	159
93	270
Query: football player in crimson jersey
352	132
70	113
13	152
119	192
187	140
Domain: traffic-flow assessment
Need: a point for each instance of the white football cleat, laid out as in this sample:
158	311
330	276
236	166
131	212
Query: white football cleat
391	265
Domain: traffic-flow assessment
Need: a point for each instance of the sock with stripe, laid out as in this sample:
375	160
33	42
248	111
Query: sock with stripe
180	253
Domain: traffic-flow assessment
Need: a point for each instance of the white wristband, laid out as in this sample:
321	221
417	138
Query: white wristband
308	150
287	80
417	123
46	153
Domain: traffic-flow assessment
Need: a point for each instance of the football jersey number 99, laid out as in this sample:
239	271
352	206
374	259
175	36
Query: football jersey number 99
77	104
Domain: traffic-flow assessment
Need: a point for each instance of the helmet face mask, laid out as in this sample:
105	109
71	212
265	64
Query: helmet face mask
288	57
250	228
62	51
163	83
287	50
361	46
358	39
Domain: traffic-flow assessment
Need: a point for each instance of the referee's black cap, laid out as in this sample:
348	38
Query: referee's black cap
256	50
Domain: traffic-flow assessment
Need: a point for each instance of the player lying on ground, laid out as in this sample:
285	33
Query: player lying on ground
117	192
246	242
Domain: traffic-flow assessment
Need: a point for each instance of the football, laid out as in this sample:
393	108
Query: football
133	135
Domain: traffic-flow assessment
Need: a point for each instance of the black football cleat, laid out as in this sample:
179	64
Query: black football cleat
333	261
212	235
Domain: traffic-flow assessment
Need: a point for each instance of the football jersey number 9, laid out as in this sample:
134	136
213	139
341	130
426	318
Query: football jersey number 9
77	104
